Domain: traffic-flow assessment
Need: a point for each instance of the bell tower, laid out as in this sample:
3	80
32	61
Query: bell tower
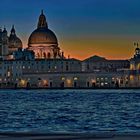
4	43
137	50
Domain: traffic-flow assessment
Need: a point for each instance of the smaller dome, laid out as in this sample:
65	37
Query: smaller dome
14	42
5	31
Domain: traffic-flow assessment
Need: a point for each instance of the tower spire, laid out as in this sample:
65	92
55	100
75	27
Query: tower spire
13	27
4	30
137	50
13	32
42	11
0	29
42	23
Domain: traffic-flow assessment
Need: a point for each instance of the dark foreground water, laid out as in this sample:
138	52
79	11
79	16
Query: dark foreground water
70	110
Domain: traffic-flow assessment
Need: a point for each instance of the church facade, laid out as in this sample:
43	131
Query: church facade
43	64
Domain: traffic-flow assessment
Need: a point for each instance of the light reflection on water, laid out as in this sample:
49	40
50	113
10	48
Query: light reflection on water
70	110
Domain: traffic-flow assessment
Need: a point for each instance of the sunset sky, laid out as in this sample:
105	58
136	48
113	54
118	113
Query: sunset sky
84	27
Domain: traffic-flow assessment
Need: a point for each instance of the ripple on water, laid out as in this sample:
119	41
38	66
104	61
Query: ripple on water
70	110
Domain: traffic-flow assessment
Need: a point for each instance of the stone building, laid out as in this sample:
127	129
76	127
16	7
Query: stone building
101	64
9	44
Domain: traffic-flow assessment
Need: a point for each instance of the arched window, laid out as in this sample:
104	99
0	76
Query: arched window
38	55
44	55
49	55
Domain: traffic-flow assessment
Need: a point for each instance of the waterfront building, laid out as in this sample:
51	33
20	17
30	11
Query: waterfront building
100	64
58	73
43	64
10	72
135	68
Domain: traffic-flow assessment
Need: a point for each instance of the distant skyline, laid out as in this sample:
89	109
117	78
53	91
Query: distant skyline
83	28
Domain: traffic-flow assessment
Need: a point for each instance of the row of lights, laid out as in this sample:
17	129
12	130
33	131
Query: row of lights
75	78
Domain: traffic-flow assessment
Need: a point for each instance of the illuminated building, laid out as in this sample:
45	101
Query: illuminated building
135	67
43	65
43	41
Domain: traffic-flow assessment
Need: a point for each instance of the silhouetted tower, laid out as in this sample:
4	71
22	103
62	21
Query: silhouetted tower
137	50
3	43
0	41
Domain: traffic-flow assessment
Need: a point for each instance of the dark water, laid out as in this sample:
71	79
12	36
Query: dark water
70	110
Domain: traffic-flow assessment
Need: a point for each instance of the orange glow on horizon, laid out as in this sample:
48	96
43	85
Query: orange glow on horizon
85	48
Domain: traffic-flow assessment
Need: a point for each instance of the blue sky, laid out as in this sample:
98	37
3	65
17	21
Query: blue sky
73	20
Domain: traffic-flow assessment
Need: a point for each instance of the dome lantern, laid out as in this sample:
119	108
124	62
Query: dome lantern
42	23
13	32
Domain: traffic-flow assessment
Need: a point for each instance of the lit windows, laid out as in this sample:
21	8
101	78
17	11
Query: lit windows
75	78
63	78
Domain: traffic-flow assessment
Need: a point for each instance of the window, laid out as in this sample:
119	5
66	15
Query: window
67	68
88	66
75	78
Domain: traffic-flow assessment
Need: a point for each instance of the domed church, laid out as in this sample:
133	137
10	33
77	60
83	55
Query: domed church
43	41
14	42
9	44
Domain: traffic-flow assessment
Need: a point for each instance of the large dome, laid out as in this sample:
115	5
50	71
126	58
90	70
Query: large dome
43	41
42	36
